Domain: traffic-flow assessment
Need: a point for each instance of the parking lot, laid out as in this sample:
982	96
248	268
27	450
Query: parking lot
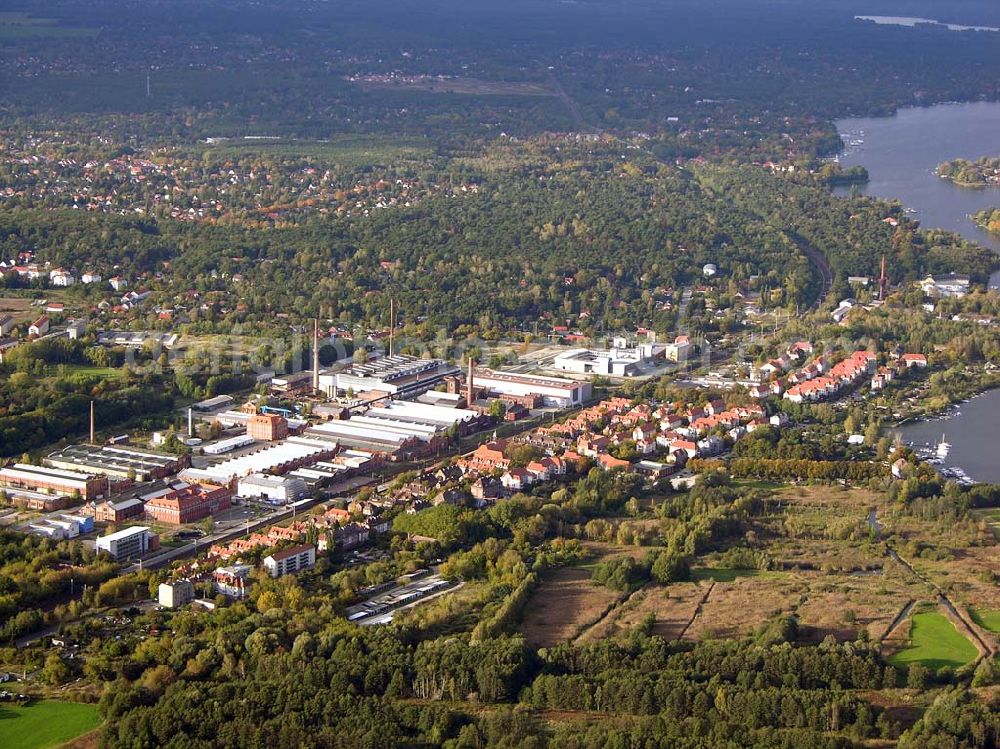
379	608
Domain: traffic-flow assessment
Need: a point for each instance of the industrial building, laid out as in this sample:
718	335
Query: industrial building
551	391
117	512
117	462
136	339
622	360
58	480
279	458
130	543
267	427
274	489
226	446
213	404
400	429
346	463
239	418
181	503
401	376
285	562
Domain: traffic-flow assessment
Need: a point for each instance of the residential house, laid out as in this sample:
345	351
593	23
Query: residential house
39	327
289	561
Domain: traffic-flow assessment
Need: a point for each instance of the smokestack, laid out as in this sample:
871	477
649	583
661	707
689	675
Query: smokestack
316	355
190	422
882	281
470	394
392	322
92	423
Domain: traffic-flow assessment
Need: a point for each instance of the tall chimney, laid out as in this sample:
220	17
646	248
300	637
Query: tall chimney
190	422
392	322
470	394
882	281
316	355
92	423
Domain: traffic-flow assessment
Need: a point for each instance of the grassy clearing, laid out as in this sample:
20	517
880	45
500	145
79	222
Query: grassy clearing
346	150
721	574
934	642
15	26
85	371
567	601
987	619
45	724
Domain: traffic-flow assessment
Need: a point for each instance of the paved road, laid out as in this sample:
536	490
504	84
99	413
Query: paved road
168	555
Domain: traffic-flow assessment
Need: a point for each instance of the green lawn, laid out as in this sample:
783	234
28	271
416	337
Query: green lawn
934	642
45	724
987	619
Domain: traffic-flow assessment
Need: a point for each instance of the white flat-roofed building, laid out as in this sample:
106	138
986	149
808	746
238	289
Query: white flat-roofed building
130	543
175	594
621	360
276	489
136	339
287	561
69	528
47	531
401	375
945	285
441	417
225	446
274	458
242	419
554	391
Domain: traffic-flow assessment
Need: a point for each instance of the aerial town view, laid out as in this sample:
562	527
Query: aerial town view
557	374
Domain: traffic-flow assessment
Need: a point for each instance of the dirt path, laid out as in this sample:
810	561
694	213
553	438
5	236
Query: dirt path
697	611
900	618
607	618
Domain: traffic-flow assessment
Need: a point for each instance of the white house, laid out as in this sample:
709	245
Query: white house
285	562
39	327
61	277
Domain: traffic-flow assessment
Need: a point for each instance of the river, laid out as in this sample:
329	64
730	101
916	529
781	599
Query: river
902	152
970	429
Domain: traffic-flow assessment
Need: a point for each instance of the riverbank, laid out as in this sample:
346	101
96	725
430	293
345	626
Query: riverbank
968	428
988	219
983	172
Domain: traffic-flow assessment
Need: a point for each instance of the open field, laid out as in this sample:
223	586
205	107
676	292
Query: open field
739	607
673	606
19	307
987	620
84	371
721	574
567	602
347	151
934	642
45	724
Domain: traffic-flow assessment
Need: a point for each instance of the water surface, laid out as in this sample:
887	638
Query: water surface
911	22
970	428
901	153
